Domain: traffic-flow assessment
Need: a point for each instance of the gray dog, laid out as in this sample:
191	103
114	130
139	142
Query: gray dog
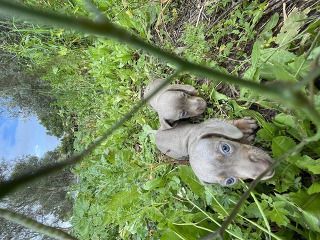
217	150
175	102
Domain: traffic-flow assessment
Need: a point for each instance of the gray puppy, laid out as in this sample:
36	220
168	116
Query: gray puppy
175	102
217	150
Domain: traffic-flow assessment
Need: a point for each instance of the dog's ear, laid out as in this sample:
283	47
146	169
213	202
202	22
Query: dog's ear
220	129
185	88
166	124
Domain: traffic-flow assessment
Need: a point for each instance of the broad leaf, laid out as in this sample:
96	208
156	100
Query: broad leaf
123	198
149	185
285	176
170	235
255	54
308	208
300	66
281	145
272	23
188	176
283	121
268	132
291	26
314	188
188	232
278	214
309	164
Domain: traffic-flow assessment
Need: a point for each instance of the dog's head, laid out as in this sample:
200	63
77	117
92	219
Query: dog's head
178	102
217	156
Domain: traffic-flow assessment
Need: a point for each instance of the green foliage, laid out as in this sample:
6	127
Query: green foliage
126	188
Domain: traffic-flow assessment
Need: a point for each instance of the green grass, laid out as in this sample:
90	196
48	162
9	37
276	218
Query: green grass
126	188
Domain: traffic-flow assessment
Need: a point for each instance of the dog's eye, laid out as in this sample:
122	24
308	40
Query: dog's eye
225	148
230	181
183	114
184	95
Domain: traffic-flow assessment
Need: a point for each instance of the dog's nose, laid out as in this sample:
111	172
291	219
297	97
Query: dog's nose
202	104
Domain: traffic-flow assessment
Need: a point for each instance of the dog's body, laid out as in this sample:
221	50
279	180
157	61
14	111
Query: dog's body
174	102
217	150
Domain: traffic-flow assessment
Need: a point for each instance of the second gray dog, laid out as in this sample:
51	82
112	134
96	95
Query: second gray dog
174	102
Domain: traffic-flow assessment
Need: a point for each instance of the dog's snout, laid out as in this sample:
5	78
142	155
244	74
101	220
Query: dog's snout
201	104
262	162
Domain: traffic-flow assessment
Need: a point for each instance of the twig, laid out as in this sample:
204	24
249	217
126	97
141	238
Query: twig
284	10
27	222
201	9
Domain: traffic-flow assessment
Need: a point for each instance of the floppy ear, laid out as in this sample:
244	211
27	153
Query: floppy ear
166	124
185	88
220	129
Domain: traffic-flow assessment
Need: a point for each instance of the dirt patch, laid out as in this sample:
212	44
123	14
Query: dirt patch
194	11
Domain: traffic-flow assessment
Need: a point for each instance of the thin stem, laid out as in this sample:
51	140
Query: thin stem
30	223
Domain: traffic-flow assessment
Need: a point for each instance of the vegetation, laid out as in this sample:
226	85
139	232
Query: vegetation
126	188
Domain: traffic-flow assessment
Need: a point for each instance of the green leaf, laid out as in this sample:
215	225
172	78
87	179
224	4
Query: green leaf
169	235
285	176
273	71
123	198
314	53
271	24
314	167
155	214
282	74
268	132
278	214
309	211
274	64
276	56
253	211
283	120
291	26
281	145
188	176
187	232
217	96
213	202
300	66
255	54
309	164
314	188
149	185
252	74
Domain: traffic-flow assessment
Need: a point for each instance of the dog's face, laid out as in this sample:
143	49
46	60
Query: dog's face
174	105
219	160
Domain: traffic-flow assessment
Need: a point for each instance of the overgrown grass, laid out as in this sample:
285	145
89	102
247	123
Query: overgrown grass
126	188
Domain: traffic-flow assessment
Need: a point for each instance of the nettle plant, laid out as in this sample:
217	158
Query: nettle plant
126	188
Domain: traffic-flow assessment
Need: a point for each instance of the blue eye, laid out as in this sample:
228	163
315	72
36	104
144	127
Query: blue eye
230	181
183	114
225	148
